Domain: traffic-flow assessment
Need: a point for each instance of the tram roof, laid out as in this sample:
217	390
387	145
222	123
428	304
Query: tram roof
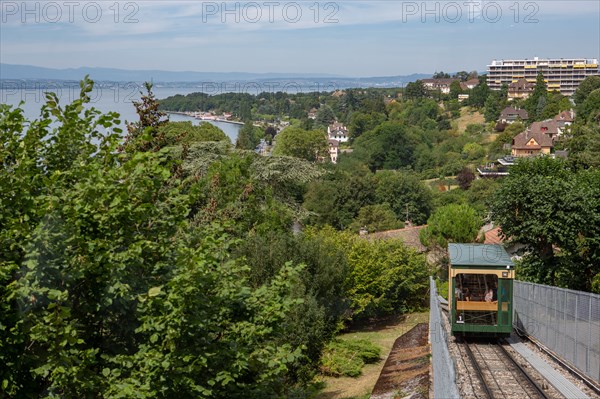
484	255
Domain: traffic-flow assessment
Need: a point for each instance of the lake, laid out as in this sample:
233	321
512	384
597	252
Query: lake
119	99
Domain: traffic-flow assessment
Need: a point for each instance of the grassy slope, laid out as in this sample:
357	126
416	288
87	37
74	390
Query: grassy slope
382	334
467	117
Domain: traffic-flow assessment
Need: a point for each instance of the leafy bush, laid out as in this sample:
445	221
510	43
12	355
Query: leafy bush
347	357
110	288
385	277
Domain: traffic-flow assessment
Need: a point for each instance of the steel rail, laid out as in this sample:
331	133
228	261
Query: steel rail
540	391
477	368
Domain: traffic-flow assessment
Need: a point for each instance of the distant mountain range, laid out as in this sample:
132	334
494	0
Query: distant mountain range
29	72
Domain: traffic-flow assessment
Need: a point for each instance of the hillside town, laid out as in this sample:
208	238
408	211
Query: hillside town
314	252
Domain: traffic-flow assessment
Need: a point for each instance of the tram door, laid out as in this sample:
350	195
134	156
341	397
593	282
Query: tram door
504	302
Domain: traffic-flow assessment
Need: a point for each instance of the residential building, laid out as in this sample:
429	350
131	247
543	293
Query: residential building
511	115
469	84
337	131
520	89
334	150
442	85
531	143
562	74
565	118
549	127
312	114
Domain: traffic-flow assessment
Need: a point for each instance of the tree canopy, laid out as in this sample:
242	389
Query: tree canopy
554	211
300	143
584	89
451	223
172	265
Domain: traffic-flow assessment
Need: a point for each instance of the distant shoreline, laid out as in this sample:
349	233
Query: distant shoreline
204	120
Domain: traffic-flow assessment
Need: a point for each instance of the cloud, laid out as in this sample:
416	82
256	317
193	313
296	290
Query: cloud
176	18
362	35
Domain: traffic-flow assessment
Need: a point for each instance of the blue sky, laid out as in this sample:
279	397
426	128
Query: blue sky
349	38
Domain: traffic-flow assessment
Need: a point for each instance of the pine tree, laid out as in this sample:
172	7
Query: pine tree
533	103
151	119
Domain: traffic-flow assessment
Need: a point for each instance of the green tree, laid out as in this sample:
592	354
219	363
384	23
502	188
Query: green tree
506	137
270	134
415	90
462	75
407	196
390	145
385	277
536	102
453	107
143	133
441	75
325	116
473	151
455	89
451	223
248	137
493	106
555	104
337	200
473	75
185	133
109	287
541	205
375	218
584	146
361	122
481	193
306	144
584	89
589	110
479	94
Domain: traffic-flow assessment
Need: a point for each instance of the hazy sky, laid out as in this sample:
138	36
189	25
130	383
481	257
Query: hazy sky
350	38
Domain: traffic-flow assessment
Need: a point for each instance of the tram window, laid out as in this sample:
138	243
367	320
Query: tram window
476	287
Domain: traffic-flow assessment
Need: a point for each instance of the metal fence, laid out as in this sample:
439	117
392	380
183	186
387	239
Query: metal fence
444	375
565	321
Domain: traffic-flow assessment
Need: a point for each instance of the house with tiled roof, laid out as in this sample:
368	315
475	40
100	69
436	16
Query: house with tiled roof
469	84
493	235
565	118
549	127
337	131
408	235
531	142
511	115
442	85
520	89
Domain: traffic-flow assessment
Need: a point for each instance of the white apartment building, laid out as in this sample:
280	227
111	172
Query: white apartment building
562	74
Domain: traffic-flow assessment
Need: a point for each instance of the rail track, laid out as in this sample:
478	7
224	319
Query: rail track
498	374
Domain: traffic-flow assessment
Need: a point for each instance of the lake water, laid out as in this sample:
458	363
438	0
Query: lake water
107	99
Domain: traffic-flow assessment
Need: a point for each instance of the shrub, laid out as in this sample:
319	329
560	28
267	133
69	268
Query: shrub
347	357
